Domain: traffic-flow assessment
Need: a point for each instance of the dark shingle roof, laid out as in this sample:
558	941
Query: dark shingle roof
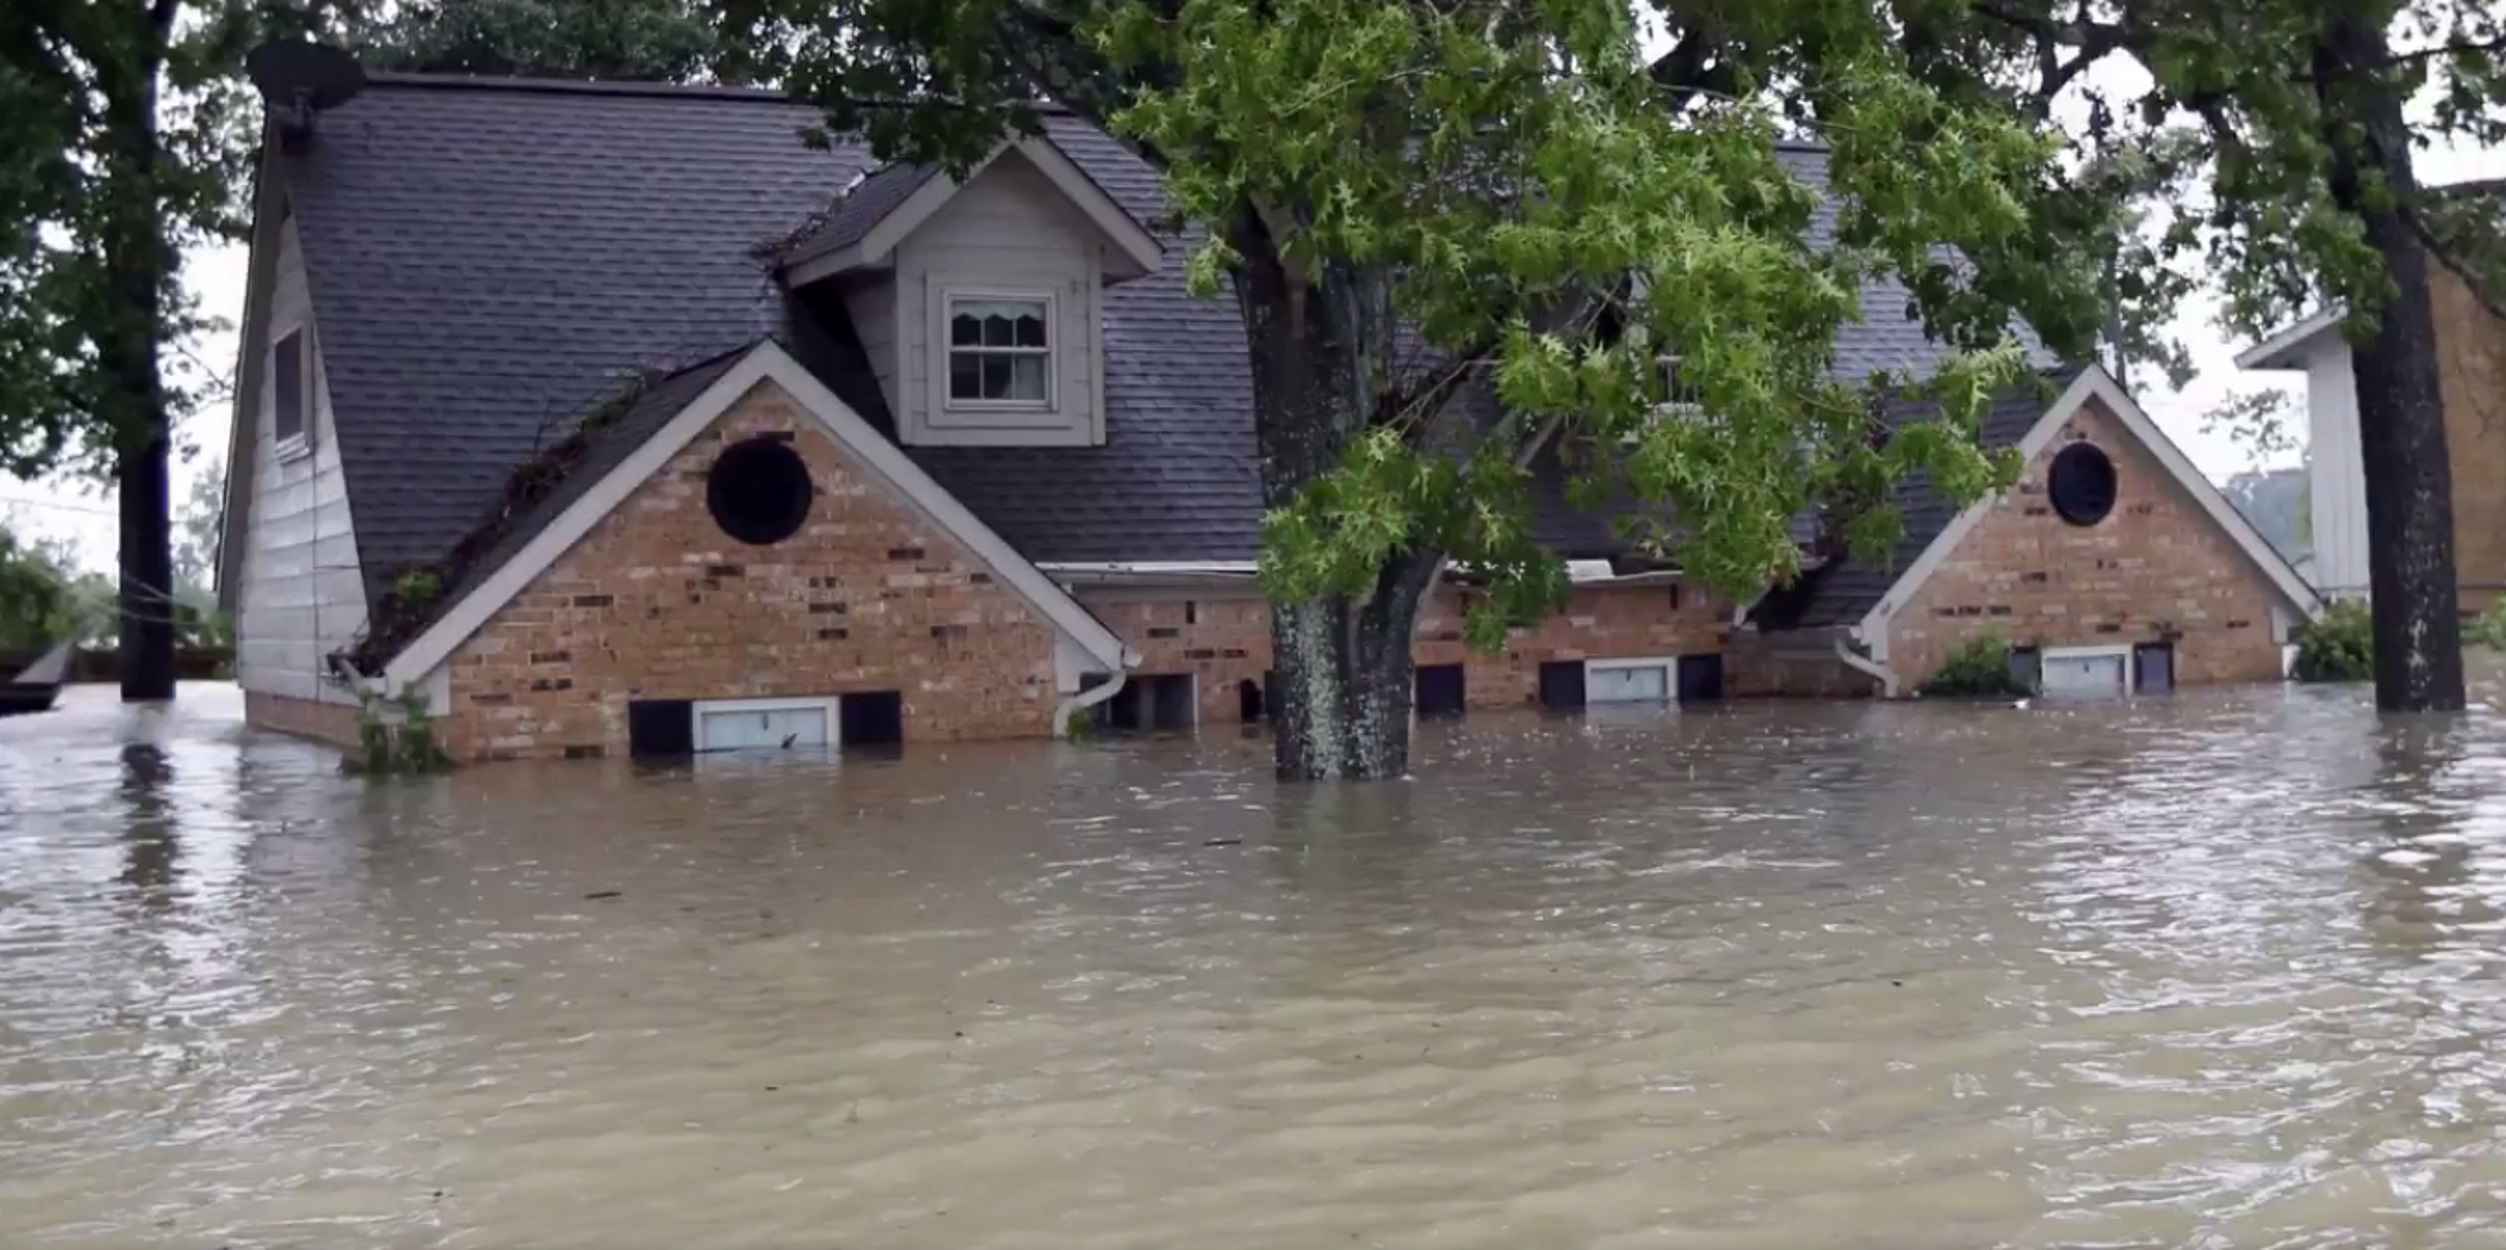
615	428
866	205
1843	591
1179	477
487	257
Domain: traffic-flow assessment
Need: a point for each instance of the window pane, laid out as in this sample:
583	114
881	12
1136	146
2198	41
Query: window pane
965	330
996	331
780	728
287	366
965	379
1626	685
1031	330
2153	667
1026	378
996	377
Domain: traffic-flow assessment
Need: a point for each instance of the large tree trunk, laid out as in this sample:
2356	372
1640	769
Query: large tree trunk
2401	415
147	568
139	261
1342	663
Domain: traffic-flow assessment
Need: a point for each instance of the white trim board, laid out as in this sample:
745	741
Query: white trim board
829	706
2092	381
2289	348
2109	651
243	431
1669	664
766	362
877	245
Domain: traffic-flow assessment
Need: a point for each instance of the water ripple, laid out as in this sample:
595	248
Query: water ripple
2215	971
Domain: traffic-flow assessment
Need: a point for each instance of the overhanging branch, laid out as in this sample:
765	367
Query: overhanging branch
2416	56
2478	283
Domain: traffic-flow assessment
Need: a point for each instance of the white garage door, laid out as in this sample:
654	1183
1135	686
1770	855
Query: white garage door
1646	684
2096	676
765	726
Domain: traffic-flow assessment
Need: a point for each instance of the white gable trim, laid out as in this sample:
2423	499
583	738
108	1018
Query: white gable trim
767	362
1129	237
2289	348
877	246
2093	381
269	218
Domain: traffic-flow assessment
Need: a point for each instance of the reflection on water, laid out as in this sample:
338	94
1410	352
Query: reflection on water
2221	970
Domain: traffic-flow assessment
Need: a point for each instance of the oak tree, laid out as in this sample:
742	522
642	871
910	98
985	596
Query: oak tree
2280	137
1419	206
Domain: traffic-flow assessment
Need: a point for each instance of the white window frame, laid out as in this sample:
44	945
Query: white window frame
831	705
2122	652
1671	405
298	445
951	296
1670	680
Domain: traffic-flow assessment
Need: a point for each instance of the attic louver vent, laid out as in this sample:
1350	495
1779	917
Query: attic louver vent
759	491
2081	484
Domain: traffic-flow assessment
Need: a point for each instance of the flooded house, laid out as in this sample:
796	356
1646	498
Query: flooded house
615	419
2471	379
2112	567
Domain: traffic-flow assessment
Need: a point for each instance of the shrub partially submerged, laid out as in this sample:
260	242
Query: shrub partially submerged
395	735
1978	668
2490	630
2337	646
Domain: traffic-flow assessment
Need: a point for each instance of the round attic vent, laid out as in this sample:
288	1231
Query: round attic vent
2081	484
759	491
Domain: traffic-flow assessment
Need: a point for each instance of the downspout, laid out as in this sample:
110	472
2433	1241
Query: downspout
1091	697
1864	664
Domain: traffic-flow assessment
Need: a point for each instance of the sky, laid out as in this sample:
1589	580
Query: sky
83	514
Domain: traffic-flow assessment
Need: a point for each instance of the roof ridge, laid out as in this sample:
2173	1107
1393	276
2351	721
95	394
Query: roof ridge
579	86
633	87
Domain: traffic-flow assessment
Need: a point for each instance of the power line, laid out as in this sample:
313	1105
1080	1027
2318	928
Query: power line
58	505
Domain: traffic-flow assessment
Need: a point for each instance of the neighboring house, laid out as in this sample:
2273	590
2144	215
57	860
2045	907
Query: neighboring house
2113	566
2276	501
2471	369
616	419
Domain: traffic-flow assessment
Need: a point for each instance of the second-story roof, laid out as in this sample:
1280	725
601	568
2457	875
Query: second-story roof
489	259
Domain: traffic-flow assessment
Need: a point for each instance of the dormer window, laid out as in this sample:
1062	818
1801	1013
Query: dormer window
289	392
1677	395
1000	351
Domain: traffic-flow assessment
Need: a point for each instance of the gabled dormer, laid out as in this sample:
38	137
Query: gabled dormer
980	303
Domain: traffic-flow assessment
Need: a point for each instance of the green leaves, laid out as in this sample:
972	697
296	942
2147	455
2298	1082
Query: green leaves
1632	271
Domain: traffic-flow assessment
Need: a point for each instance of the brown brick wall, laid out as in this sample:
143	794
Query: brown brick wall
1226	641
1621	623
657	602
2156	567
1219	640
2471	367
1760	668
334	723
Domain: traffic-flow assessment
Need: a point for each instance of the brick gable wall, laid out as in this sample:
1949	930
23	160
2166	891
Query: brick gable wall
656	602
1225	640
2156	568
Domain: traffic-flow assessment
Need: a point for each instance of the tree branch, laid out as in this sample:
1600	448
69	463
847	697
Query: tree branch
1694	67
2093	40
2476	281
2414	56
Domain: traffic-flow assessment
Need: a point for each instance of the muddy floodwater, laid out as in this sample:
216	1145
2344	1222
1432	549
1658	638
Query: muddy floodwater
2215	971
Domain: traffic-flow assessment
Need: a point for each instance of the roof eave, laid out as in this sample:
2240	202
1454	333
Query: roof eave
1133	251
819	266
2289	348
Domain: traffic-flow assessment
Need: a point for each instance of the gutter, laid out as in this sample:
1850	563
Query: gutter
1085	699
